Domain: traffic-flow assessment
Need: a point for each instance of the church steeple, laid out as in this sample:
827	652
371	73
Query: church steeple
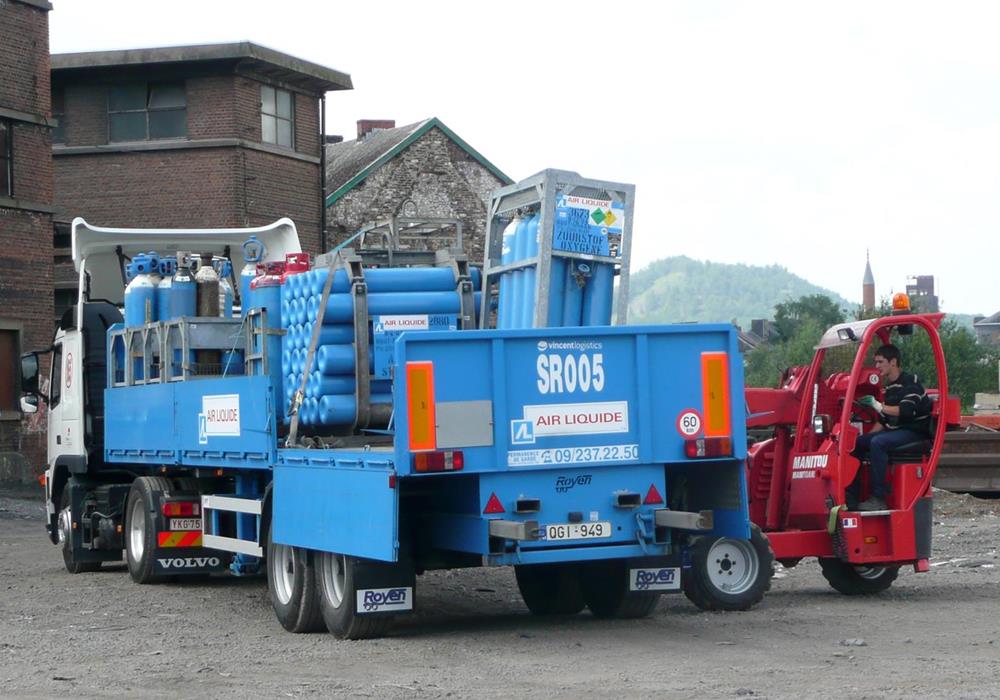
868	286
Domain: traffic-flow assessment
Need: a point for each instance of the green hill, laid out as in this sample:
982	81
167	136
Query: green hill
679	289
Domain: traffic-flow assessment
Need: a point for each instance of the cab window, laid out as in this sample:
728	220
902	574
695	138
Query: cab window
55	385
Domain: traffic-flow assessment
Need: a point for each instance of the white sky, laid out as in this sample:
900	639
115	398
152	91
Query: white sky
795	133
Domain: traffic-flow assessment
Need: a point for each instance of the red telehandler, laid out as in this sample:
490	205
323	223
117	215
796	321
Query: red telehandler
798	477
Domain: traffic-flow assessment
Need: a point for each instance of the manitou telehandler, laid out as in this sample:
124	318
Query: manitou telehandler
799	477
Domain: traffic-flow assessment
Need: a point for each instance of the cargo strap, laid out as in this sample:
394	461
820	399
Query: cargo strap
300	393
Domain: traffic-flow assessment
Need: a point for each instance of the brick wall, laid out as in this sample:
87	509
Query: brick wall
24	58
32	150
276	187
441	178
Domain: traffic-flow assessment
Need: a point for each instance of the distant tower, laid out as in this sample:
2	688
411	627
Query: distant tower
868	286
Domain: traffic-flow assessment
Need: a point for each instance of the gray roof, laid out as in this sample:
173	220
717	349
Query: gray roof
989	320
275	64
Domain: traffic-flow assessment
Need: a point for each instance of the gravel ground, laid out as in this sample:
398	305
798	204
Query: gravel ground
933	635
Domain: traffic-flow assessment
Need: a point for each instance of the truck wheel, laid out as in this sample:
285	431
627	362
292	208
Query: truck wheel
729	574
550	589
857	580
291	584
66	539
605	588
140	527
338	599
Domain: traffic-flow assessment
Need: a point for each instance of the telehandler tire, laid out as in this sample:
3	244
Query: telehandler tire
291	585
606	590
850	579
729	574
140	527
338	596
65	539
550	589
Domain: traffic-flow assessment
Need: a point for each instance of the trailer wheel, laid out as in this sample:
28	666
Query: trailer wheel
338	599
550	589
729	574
140	527
291	584
857	580
66	539
606	591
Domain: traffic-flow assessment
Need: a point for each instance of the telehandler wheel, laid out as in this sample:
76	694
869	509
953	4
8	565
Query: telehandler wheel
729	574
66	540
338	596
606	590
140	527
550	589
850	579
291	585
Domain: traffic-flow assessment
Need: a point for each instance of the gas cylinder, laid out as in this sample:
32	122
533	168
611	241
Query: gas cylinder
183	292
253	252
224	269
167	268
140	294
265	293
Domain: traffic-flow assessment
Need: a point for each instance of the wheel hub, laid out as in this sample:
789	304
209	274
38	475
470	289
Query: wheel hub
283	572
733	566
65	525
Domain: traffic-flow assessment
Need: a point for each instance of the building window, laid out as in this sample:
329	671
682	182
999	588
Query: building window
58	117
10	371
6	159
277	124
147	112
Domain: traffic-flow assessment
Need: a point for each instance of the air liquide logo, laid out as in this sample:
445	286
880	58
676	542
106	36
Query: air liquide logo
374	600
219	417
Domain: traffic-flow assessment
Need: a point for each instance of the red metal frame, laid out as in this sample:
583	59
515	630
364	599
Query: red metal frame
797	478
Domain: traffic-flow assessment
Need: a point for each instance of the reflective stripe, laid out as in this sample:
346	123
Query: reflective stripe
189	538
715	393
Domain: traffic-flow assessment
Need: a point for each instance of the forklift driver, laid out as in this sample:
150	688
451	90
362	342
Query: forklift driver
904	417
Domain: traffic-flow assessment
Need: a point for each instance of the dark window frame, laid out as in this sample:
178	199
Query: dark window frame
146	110
278	118
13	411
59	116
55	376
7	159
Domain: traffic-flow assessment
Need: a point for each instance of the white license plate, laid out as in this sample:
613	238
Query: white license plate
184	524
578	531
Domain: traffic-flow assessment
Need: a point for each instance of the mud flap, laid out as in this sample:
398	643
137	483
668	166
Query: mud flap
182	561
383	588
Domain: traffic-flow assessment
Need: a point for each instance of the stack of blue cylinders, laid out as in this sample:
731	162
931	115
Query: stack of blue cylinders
330	386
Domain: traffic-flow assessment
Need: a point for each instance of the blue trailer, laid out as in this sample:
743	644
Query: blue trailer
592	459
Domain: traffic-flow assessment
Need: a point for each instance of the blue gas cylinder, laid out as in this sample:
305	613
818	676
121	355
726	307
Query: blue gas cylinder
253	252
183	290
168	266
265	293
140	294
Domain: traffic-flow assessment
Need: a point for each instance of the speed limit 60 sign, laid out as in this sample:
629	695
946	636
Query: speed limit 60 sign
689	423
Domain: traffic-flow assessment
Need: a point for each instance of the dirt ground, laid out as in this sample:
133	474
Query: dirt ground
933	635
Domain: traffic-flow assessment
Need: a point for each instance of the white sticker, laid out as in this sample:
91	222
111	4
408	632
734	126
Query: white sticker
667	578
373	600
416	322
873	379
219	417
573	455
810	461
578	418
849	523
689	423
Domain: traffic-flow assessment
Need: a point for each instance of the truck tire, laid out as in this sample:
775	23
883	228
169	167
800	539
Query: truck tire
140	527
291	585
729	574
66	540
550	589
338	599
850	579
606	591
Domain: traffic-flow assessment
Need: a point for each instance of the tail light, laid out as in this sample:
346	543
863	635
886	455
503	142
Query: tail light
695	448
438	461
181	509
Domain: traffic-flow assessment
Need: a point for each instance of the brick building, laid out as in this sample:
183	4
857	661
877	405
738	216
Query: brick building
419	170
195	136
25	222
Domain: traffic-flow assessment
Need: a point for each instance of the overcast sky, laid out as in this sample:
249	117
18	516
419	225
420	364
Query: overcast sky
796	133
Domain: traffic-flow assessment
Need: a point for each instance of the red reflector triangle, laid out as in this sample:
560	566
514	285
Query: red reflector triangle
653	496
493	505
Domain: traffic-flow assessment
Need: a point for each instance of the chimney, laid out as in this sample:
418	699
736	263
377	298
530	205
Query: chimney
367	126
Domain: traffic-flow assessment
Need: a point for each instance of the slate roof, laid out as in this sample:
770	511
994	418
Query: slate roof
989	320
348	163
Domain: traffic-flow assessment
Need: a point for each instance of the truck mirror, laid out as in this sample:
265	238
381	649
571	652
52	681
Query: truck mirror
29	404
29	373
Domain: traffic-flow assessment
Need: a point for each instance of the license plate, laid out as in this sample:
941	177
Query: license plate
185	524
578	531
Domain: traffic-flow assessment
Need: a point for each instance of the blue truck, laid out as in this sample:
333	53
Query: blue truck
604	463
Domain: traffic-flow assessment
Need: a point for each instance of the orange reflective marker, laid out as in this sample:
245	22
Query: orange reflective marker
420	405
715	393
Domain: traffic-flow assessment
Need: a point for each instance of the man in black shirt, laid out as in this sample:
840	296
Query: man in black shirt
904	417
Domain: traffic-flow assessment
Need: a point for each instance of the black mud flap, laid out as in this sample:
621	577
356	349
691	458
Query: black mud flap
383	588
654	574
923	521
181	561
